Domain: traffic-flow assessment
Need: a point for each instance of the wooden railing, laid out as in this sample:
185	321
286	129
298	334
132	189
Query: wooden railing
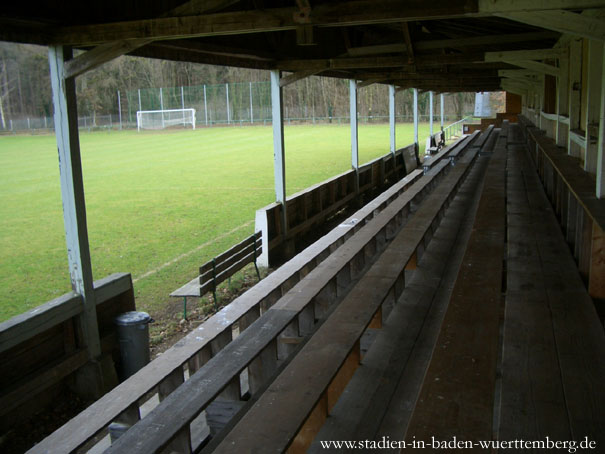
312	206
41	348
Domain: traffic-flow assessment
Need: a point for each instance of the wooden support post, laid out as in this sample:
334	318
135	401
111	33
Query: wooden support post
416	118
575	81
441	100
562	99
279	158
181	443
354	145
72	193
431	113
262	367
392	117
600	186
593	108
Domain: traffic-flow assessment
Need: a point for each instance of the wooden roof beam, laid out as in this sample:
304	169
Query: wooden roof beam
368	82
485	40
563	22
294	77
541	68
502	6
378	62
514	55
513	73
106	52
334	14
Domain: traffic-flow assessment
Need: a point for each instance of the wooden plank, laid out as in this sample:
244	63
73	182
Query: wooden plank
344	374
246	242
228	263
28	324
457	395
580	342
596	280
112	286
209	285
310	427
40	380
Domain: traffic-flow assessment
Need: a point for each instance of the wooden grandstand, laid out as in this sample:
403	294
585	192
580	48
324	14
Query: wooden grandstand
461	301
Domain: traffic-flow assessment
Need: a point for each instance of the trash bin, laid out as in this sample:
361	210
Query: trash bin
133	336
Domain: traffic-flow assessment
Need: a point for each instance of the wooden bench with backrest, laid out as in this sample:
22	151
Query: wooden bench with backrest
260	348
221	268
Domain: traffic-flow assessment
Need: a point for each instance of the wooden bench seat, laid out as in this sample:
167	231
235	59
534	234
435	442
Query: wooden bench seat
457	396
377	401
451	151
482	140
295	405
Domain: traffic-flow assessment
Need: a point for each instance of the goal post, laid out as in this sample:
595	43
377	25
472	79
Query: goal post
161	119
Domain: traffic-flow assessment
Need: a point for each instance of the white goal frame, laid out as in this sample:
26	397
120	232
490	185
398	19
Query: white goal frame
168	117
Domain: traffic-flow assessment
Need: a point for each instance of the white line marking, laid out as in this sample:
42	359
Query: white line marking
186	254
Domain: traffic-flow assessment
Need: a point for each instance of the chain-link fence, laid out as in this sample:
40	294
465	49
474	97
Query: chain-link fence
239	104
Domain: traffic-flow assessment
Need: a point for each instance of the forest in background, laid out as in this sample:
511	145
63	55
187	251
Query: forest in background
25	87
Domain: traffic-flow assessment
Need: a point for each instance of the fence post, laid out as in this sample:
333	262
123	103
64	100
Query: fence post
441	99
354	145
119	110
431	113
183	106
251	108
228	111
205	106
392	117
416	118
162	105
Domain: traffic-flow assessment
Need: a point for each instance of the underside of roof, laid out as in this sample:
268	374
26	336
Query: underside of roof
451	45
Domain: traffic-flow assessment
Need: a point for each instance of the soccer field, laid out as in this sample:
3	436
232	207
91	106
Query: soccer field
158	203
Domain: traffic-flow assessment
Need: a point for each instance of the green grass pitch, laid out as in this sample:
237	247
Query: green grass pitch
156	201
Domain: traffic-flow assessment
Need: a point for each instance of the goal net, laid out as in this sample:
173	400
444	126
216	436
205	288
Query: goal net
160	119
